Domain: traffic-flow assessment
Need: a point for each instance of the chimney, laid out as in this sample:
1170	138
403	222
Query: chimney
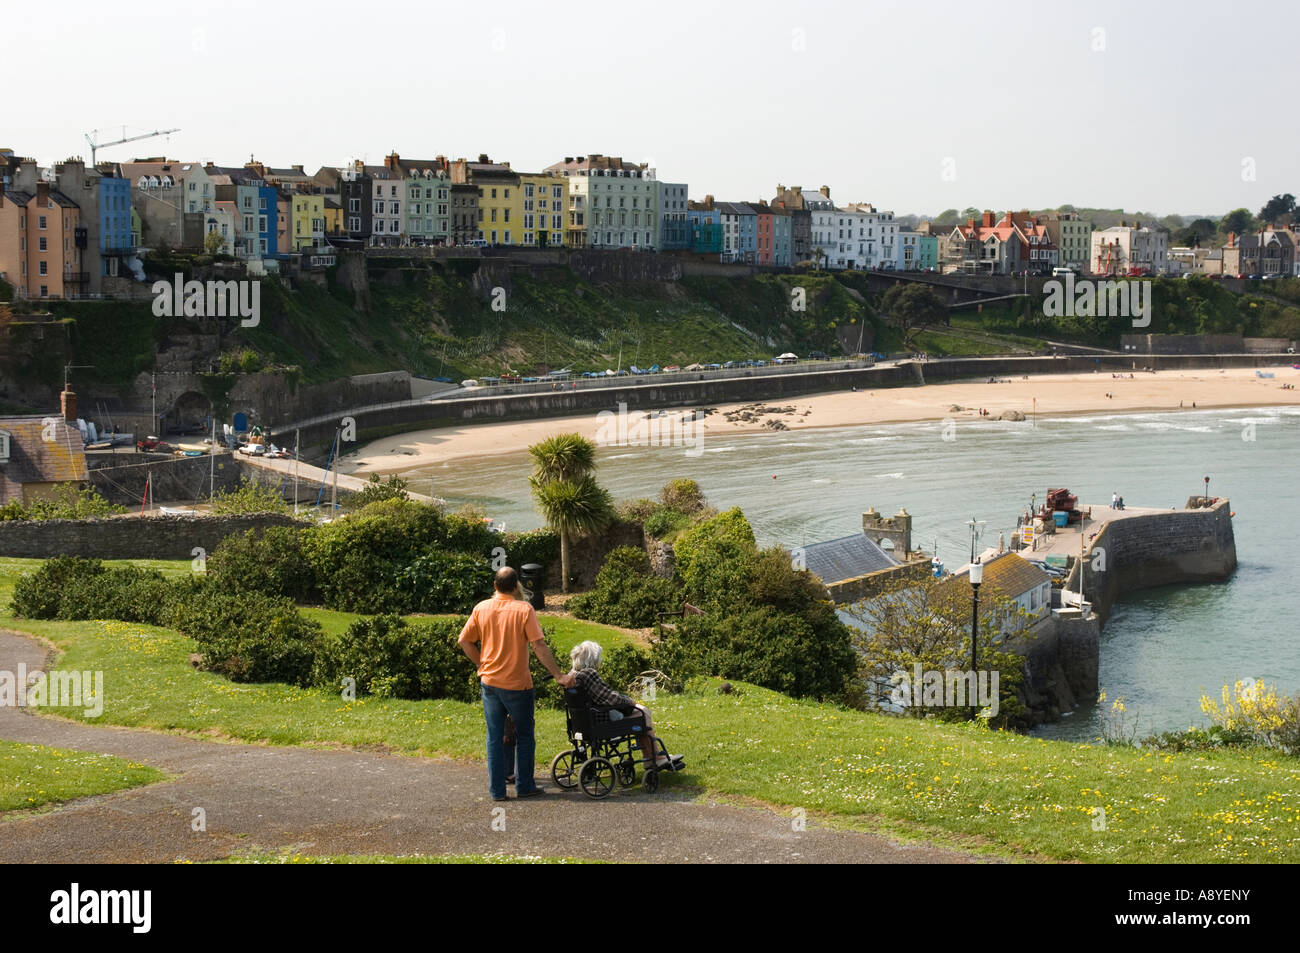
298	169
987	220
825	190
68	404
568	160
483	159
1232	239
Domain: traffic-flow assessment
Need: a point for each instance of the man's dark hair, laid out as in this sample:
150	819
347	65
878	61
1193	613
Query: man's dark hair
506	580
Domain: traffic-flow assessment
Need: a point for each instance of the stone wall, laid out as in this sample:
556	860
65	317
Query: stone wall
120	477
1159	549
127	537
1061	662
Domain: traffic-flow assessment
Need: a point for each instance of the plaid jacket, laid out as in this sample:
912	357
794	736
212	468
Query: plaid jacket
600	694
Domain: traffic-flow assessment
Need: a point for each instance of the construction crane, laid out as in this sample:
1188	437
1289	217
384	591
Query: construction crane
94	146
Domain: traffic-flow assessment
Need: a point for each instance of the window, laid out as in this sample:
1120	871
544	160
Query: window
261	203
43	269
40	221
394	208
42	245
354	205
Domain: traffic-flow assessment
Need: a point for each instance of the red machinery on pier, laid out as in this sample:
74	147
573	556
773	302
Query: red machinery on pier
1061	500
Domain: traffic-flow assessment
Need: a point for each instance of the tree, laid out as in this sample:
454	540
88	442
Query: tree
1201	230
1277	207
1237	221
213	243
927	622
949	216
912	305
970	212
571	501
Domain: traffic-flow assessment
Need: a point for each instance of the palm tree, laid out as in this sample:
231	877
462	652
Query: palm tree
566	456
570	499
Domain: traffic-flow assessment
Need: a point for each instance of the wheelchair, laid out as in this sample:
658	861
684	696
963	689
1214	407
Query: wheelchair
605	751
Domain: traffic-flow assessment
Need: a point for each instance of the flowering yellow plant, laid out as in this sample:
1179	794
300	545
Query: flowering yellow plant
1253	708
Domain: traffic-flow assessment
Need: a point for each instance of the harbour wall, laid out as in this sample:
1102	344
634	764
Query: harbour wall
1192	545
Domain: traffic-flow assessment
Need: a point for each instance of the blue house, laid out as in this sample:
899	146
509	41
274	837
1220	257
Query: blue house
114	217
267	210
705	221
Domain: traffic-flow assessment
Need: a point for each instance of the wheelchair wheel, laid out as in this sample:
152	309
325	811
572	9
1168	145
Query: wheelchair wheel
627	773
651	780
597	778
565	768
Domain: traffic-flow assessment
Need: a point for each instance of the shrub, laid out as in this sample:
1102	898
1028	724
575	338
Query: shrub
249	498
541	546
357	560
664	522
710	555
763	622
1256	711
272	561
392	659
442	581
67	502
251	637
39	595
376	490
683	495
622	665
626	593
126	593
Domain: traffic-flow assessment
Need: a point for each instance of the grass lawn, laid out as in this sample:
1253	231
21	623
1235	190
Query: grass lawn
1006	792
33	775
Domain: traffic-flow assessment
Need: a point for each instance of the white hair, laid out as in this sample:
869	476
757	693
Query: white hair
586	655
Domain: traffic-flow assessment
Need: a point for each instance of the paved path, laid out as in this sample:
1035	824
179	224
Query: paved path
349	802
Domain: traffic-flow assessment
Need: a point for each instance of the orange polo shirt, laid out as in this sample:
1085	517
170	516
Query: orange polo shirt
503	626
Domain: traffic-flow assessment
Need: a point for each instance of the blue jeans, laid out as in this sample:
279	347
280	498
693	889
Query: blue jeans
497	703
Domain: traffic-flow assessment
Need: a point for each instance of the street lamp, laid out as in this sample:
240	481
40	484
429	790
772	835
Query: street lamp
1207	490
976	577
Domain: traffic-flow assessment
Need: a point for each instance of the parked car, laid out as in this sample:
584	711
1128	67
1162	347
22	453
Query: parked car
818	355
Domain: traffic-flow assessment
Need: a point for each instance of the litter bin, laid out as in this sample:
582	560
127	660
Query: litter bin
532	576
1061	517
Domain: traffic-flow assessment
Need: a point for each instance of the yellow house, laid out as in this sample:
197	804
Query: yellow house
307	220
333	214
542	206
498	198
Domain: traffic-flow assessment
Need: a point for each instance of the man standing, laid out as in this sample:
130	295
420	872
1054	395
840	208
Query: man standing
496	638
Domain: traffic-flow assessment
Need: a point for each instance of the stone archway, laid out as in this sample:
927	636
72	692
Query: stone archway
190	414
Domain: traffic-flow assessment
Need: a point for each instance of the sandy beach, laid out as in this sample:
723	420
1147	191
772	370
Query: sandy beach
1045	395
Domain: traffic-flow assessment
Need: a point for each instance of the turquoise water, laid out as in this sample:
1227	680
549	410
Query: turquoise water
1159	650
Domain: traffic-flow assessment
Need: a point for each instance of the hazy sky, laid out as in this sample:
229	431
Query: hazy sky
913	106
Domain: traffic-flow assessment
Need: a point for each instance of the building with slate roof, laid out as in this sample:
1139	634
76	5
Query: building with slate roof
854	567
37	454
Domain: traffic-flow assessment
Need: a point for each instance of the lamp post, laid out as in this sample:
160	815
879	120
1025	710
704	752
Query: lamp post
1207	490
976	577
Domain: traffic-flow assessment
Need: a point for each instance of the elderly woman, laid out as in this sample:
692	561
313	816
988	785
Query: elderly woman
586	659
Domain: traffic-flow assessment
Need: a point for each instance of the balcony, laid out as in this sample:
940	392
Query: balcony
76	277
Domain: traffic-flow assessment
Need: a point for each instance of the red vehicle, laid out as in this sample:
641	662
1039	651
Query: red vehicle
154	444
